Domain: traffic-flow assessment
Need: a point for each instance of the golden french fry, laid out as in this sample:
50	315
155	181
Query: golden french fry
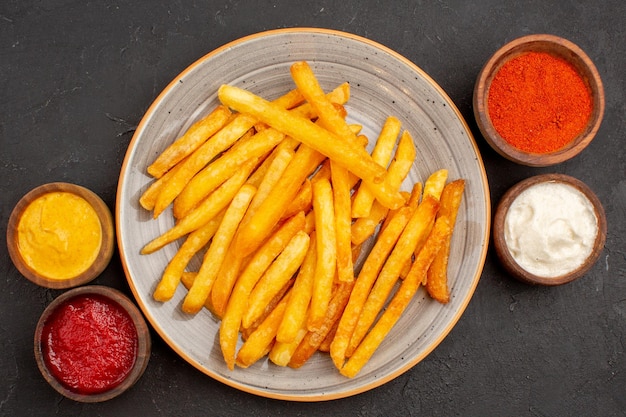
149	197
400	300
176	266
343	221
347	154
435	182
208	209
325	345
276	276
313	339
269	212
187	279
383	150
288	144
258	342
218	171
191	140
364	282
419	224
296	312
326	243
258	264
437	276
214	256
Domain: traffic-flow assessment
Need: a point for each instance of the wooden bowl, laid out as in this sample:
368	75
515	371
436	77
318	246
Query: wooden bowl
142	353
555	46
106	248
499	225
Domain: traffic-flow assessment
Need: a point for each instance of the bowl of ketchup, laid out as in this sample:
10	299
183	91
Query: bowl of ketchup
92	344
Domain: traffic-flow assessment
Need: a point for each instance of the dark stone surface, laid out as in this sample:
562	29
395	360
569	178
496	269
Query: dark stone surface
77	76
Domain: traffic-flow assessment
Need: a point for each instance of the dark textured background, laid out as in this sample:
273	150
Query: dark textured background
76	77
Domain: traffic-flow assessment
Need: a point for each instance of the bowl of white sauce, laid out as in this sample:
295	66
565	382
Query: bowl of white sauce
549	229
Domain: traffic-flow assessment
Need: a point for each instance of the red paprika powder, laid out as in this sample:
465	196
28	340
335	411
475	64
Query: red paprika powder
538	102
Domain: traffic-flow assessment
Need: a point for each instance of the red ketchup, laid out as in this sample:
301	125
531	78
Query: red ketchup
89	344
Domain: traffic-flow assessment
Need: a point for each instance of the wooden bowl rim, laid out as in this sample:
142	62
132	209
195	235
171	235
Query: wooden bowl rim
501	247
556	46
144	342
106	249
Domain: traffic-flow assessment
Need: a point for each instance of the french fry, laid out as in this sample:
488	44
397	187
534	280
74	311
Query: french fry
214	256
400	300
176	266
363	228
258	342
416	228
208	209
297	308
437	276
191	140
187	279
347	154
276	276
326	243
435	182
267	215
238	301
343	221
214	174
303	201
282	352
364	282
225	280
288	144
382	153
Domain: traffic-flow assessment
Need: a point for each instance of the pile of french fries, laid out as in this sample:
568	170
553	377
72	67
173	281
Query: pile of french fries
278	198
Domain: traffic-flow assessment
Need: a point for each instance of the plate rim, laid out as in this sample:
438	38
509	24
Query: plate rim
409	363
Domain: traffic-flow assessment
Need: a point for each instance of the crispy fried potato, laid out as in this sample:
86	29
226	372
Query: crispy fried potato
343	221
214	256
437	276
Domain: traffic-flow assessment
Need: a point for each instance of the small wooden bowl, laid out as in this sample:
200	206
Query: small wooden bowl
106	249
558	47
500	243
144	343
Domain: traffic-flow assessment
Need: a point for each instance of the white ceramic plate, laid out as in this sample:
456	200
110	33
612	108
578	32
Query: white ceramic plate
382	83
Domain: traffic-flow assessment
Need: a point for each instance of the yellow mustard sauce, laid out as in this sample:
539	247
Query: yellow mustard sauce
59	235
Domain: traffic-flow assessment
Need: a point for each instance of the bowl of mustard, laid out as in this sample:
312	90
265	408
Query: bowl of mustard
60	235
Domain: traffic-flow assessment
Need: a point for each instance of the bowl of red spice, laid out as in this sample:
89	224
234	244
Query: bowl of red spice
92	344
539	100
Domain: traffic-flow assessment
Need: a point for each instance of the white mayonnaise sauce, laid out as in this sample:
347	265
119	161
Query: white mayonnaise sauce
550	229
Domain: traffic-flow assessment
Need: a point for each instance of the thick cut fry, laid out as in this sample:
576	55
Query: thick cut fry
435	182
416	228
149	197
214	174
437	277
382	153
364	282
326	244
276	276
187	279
238	301
191	140
214	256
267	215
258	342
347	154
296	312
400	300
282	352
312	340
343	221
211	207
176	266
